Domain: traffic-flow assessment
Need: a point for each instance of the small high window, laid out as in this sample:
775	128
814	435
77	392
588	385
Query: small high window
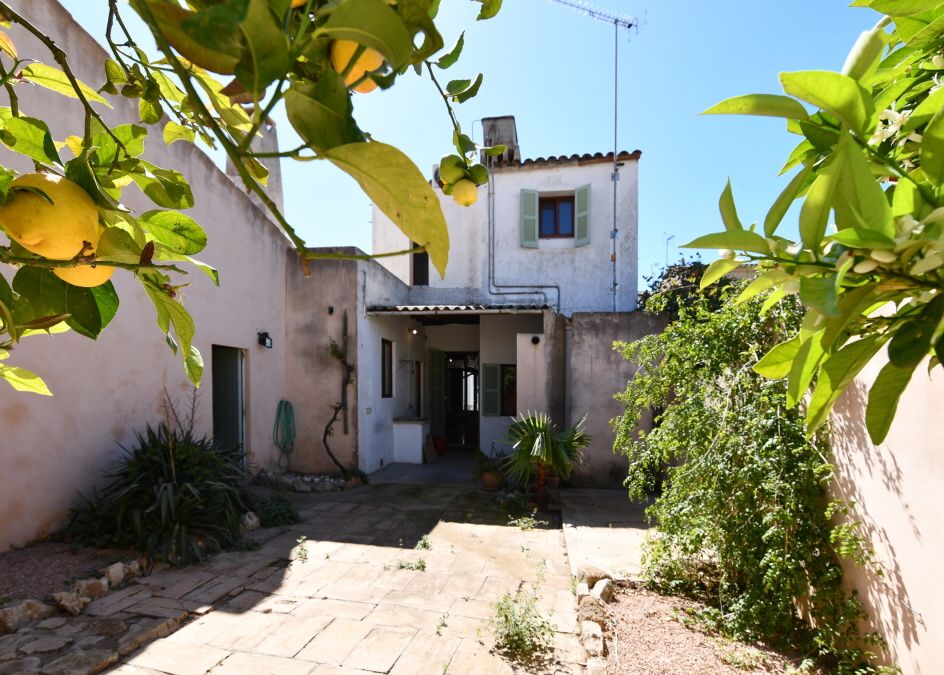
386	369
555	217
419	267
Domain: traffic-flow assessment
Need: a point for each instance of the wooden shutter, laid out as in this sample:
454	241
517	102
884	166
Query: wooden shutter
582	216
491	389
529	219
436	386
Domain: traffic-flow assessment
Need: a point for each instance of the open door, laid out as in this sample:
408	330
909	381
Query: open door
437	393
229	408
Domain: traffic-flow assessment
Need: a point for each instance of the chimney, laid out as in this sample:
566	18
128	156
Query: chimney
501	131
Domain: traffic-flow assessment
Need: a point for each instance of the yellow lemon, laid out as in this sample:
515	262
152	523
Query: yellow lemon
298	3
465	193
57	231
87	276
370	60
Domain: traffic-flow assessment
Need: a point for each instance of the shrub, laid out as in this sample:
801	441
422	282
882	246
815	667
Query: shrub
539	447
745	521
174	497
521	631
276	511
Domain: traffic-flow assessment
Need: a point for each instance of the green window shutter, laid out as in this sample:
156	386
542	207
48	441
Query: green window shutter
529	219
582	216
436	386
491	389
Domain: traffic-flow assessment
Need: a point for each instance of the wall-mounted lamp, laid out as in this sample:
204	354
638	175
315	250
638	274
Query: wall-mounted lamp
330	309
265	340
535	340
413	331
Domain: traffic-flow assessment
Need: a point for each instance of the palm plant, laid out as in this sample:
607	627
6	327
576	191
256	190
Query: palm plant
539	447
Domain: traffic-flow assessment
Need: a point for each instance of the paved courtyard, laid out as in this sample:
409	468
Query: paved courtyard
390	578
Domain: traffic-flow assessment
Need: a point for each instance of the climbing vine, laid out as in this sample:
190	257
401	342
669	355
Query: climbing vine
745	521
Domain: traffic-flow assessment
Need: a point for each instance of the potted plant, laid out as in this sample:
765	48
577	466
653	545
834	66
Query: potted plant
541	452
489	471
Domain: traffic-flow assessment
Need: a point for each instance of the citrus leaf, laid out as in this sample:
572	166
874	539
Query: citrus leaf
178	231
838	371
174	132
399	189
449	59
24	380
784	200
30	136
374	24
776	364
717	270
56	80
768	105
220	58
891	382
743	240
837	94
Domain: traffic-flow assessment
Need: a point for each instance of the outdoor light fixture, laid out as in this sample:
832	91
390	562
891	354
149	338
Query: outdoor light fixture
535	340
265	340
414	331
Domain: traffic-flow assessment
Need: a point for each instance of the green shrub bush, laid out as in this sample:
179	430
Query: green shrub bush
174	496
276	511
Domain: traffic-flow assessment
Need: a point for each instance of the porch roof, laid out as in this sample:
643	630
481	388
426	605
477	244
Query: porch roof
438	310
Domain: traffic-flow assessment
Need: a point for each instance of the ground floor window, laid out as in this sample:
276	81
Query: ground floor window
386	369
509	390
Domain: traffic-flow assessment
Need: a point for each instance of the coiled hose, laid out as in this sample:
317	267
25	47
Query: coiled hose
283	433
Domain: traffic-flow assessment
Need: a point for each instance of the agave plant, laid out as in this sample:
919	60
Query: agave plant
539	447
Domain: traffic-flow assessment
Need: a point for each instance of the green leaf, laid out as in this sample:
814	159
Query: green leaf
925	110
91	309
768	105
728	210
149	112
814	214
164	187
221	57
24	380
56	80
172	313
30	136
717	270
786	198
804	367
838	371
374	24
776	364
820	293
44	292
741	240
912	340
417	16
932	149
80	172
322	113
449	59
837	94
193	365
860	200
856	237
468	92
178	231
399	189
489	9
762	283
132	137
174	132
883	400
265	56
903	7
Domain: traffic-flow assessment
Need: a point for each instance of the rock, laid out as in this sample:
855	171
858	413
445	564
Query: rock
301	485
249	522
596	666
115	574
592	574
45	644
21	666
582	590
283	481
604	590
591	608
92	588
592	637
71	601
17	616
133	569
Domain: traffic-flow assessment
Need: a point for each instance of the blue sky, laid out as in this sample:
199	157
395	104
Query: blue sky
552	68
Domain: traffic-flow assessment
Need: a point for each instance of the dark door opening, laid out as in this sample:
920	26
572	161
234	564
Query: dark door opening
462	399
229	407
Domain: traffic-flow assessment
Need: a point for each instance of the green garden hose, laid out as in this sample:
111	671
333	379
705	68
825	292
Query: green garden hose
283	433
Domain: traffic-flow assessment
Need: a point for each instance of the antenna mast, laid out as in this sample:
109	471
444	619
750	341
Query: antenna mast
619	21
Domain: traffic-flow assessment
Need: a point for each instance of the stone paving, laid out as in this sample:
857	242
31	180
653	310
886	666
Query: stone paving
353	597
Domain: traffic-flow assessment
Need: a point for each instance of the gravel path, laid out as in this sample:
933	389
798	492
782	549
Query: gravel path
646	638
39	570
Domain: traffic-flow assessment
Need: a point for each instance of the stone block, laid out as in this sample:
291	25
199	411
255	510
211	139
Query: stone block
591	608
596	666
582	590
92	588
591	574
592	637
45	644
604	590
19	615
71	601
115	574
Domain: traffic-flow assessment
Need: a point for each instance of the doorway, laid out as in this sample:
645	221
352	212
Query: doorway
462	399
229	399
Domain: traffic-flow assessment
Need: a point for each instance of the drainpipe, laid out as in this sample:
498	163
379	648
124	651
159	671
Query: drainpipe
495	288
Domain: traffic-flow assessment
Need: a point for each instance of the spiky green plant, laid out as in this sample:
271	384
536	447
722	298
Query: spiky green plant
539	447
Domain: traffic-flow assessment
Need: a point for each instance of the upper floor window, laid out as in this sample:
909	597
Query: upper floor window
556	217
419	268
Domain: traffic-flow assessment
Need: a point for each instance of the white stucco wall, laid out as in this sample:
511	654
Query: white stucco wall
532	372
106	390
584	274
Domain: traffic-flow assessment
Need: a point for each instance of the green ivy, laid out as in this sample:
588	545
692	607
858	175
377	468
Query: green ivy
745	520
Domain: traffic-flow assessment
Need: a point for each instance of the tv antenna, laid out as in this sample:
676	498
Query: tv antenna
619	22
